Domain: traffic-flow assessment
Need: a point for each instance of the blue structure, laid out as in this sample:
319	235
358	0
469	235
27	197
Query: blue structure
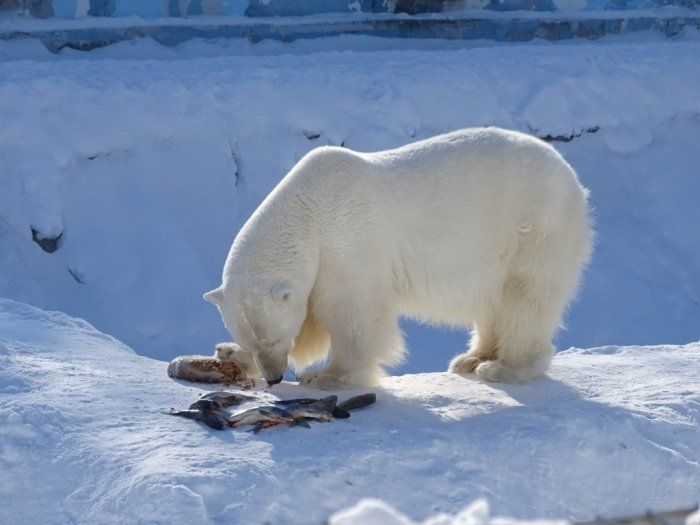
499	20
142	8
101	7
279	8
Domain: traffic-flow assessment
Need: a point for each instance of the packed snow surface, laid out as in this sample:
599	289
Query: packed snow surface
612	431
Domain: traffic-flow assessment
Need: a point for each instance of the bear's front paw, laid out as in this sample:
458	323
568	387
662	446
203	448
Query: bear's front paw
323	380
464	364
232	353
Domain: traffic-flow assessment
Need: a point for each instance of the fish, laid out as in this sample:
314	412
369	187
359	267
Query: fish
324	405
261	417
211	418
296	412
361	401
303	410
210	410
312	409
220	400
208	369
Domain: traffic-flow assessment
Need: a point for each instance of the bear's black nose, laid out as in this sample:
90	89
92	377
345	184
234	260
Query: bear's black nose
271	382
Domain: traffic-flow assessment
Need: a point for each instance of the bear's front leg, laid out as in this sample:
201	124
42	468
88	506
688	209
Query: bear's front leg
330	379
359	348
325	379
348	368
233	353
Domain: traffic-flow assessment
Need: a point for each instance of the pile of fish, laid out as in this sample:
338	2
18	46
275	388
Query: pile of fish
212	409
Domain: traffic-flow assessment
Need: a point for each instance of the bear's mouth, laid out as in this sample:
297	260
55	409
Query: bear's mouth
272	382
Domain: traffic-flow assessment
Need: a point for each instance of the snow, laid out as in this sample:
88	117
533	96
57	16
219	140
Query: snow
144	161
613	431
372	511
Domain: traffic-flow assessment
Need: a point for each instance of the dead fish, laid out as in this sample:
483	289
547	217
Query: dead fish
219	400
210	410
294	412
326	403
315	409
361	401
329	403
261	417
211	418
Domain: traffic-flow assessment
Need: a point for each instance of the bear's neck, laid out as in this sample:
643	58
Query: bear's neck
281	237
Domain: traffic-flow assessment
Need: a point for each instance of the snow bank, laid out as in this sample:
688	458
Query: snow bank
613	431
372	511
146	161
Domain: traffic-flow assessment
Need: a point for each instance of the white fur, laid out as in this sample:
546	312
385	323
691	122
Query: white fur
482	228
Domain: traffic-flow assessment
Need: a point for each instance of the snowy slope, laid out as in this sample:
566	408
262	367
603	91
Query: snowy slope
147	160
614	430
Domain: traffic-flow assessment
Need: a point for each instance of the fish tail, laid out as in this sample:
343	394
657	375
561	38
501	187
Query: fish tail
356	402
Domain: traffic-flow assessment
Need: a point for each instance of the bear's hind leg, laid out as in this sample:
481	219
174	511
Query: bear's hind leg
528	316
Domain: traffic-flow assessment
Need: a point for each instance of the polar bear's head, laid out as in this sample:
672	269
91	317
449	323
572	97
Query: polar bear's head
263	318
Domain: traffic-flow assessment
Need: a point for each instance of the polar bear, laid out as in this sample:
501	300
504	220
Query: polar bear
480	228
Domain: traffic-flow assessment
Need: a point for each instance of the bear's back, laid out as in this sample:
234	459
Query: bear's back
485	169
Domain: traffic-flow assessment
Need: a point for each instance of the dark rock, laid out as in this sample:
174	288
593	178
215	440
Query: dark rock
48	244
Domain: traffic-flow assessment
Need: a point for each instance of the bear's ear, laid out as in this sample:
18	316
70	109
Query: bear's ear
281	291
215	296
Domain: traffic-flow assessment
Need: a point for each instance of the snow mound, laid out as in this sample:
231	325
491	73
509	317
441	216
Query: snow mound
372	511
612	431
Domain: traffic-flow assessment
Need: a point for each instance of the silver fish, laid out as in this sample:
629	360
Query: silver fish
211	418
261	417
316	410
293	412
219	400
210	410
361	401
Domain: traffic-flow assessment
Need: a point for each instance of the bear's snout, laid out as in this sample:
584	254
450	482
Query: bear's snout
272	382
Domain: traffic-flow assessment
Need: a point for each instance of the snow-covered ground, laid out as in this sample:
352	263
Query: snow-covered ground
147	160
614	430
